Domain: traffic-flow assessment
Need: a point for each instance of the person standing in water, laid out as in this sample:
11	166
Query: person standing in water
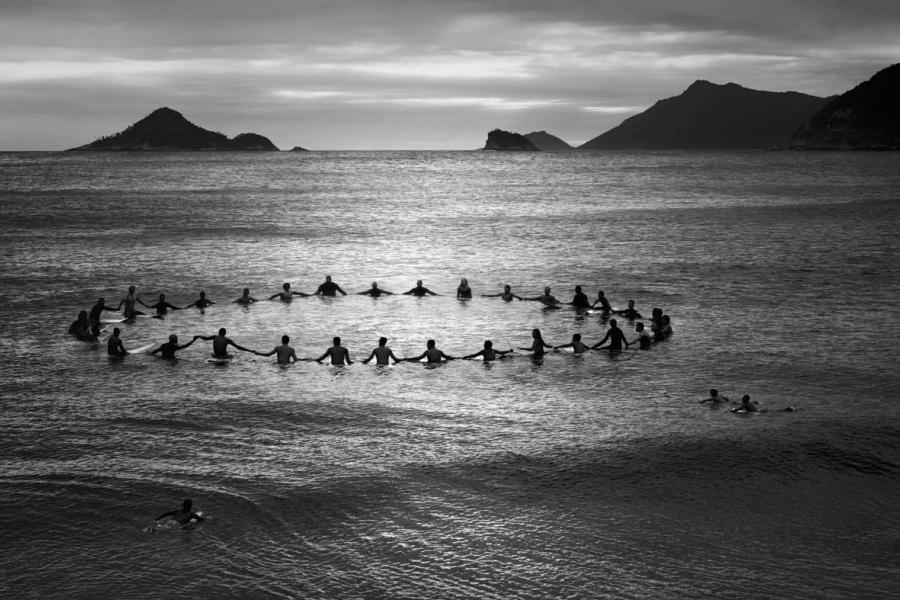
382	354
547	299
431	354
285	353
538	344
629	313
286	294
464	292
579	300
375	291
603	302
81	328
507	295
339	355
615	337
114	345
168	349
129	302
644	339
221	343
488	353
161	307
96	313
329	288
246	299
202	302
419	291
577	346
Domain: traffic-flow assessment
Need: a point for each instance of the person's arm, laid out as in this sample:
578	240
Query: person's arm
430	293
171	513
471	356
239	347
319	291
503	352
569	345
275	295
347	357
173	307
491	295
410	292
270	353
157	350
601	342
447	356
188	344
301	294
197	517
391	355
324	356
371	356
207	338
343	293
141	302
415	359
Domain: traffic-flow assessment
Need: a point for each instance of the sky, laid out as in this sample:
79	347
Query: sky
410	74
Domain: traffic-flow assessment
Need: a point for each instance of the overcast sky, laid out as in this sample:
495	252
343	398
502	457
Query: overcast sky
410	74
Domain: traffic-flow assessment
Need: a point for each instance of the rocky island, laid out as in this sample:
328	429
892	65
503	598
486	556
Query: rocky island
713	116
509	141
547	142
167	130
864	118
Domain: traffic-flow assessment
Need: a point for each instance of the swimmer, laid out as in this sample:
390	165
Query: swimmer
615	336
338	354
246	299
285	353
286	294
576	345
129	303
629	313
746	405
538	344
419	291
221	343
328	288
546	298
382	354
200	302
464	292
168	349
666	327
714	398
507	295
114	345
644	339
488	353
579	300
81	328
182	515
376	291
431	354
602	301
96	312
162	306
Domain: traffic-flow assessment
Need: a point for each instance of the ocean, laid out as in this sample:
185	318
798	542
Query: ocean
570	476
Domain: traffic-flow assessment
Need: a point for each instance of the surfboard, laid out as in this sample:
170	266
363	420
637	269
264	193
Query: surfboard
213	360
170	525
113	321
141	349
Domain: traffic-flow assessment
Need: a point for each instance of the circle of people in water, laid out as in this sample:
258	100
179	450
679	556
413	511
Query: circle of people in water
88	326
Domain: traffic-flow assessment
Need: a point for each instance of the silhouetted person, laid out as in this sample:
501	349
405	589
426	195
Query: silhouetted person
629	313
615	337
507	294
221	343
488	353
537	344
329	288
644	339
285	353
161	307
201	302
579	300
431	355
339	355
81	328
715	398
419	290
286	294
376	291
168	349
96	313
546	298
183	515
576	344
382	354
128	302
602	301
114	345
464	292
246	299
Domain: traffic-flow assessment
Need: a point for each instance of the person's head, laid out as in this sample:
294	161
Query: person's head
246	291
536	334
463	282
186	505
202	294
337	341
600	294
221	331
576	337
577	289
382	341
116	331
173	338
101	301
547	291
83	314
507	289
418	283
285	339
430	343
639	327
328	278
130	289
286	286
488	344
162	296
631	304
374	285
713	392
657	313
613	323
746	399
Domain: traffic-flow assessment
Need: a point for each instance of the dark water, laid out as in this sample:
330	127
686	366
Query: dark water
570	477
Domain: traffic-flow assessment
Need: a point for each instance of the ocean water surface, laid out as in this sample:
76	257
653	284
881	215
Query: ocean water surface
587	476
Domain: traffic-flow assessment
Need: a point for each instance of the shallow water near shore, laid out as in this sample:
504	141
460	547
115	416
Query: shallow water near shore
566	477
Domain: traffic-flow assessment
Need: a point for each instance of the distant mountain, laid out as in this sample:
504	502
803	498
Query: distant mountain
167	129
865	118
508	141
708	115
546	141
